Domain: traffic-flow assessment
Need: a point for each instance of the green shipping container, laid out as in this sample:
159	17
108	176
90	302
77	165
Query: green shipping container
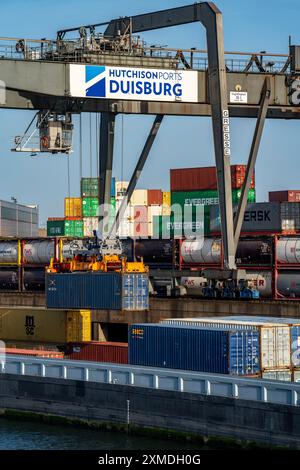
89	187
206	198
65	228
90	206
164	226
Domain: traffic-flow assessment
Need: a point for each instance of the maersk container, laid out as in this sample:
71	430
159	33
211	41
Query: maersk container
220	351
292	323
98	290
274	337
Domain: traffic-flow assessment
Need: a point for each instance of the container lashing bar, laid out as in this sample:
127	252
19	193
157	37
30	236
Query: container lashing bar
264	102
136	174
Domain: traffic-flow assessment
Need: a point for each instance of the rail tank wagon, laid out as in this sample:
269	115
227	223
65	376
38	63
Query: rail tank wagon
250	252
288	250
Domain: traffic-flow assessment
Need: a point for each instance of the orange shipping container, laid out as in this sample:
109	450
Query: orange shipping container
155	197
73	207
98	352
205	178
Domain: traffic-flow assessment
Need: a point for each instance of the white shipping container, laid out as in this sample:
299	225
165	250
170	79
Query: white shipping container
121	187
89	225
139	197
126	225
275	338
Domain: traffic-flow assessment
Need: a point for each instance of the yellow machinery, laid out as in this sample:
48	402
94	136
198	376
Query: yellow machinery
107	264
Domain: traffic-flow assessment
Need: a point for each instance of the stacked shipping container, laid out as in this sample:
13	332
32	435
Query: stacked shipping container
279	340
192	188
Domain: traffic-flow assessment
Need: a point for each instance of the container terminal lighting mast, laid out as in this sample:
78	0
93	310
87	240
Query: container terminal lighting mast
71	76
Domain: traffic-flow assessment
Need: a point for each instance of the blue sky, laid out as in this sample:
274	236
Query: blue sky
249	25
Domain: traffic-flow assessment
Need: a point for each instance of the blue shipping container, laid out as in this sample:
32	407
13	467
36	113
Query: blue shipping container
220	351
97	290
113	187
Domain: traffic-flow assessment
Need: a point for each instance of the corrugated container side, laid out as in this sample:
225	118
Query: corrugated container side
73	207
155	197
284	196
205	178
166	198
97	290
205	350
258	217
274	339
33	325
139	197
89	187
90	206
206	198
98	352
283	375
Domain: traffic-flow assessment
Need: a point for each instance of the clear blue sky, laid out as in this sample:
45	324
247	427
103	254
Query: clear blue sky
249	25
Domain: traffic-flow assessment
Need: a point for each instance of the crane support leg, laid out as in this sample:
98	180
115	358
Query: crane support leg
137	172
106	149
265	97
210	16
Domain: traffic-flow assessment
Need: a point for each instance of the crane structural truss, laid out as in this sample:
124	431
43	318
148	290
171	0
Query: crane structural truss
73	76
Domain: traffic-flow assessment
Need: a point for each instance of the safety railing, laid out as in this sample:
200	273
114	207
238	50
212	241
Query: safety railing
88	49
267	391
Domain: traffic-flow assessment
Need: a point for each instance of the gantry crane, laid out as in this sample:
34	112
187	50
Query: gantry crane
39	75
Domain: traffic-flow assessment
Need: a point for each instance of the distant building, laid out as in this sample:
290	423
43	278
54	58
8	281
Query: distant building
18	220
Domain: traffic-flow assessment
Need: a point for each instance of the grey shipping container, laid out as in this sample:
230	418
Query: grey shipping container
219	351
290	215
259	217
98	290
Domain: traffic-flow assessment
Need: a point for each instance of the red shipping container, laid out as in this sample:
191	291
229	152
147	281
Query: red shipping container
284	196
205	178
98	352
155	197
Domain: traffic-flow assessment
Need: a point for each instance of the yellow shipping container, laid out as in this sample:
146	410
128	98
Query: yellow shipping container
49	326
78	325
166	210
73	207
166	198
